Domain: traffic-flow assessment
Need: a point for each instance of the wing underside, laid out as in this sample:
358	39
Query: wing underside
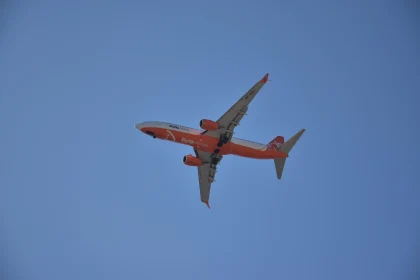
227	123
206	173
234	115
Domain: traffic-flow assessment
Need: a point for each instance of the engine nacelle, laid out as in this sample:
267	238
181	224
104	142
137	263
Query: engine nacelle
209	125
192	160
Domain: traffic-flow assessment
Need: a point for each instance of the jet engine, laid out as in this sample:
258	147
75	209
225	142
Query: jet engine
191	160
209	125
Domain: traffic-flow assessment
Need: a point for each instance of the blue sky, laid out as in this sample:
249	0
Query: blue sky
84	195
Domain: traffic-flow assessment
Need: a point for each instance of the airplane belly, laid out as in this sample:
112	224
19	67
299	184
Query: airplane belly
197	141
209	144
248	152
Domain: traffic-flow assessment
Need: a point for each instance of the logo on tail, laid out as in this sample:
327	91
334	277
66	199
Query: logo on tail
277	143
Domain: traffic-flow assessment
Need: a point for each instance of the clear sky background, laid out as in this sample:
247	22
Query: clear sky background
84	195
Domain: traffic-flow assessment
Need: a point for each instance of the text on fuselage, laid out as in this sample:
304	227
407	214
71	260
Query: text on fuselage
192	142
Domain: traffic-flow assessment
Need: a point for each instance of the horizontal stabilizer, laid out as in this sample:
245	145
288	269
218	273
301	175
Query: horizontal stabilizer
288	146
279	163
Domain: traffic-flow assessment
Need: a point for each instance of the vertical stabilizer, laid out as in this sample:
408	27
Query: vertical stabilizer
276	143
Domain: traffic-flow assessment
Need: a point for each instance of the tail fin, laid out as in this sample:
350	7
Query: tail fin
276	143
286	148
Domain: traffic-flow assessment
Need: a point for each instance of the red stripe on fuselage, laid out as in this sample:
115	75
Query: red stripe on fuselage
209	144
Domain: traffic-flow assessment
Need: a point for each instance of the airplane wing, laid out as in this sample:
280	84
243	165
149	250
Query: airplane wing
206	173
233	116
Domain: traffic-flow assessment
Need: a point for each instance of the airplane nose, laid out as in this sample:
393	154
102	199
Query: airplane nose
139	126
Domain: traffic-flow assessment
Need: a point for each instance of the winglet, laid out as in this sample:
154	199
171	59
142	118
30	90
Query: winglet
265	79
207	203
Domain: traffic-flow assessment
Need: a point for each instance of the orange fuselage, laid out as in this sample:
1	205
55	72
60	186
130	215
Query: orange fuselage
194	138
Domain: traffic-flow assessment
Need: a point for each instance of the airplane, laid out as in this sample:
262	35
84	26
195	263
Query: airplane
215	140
